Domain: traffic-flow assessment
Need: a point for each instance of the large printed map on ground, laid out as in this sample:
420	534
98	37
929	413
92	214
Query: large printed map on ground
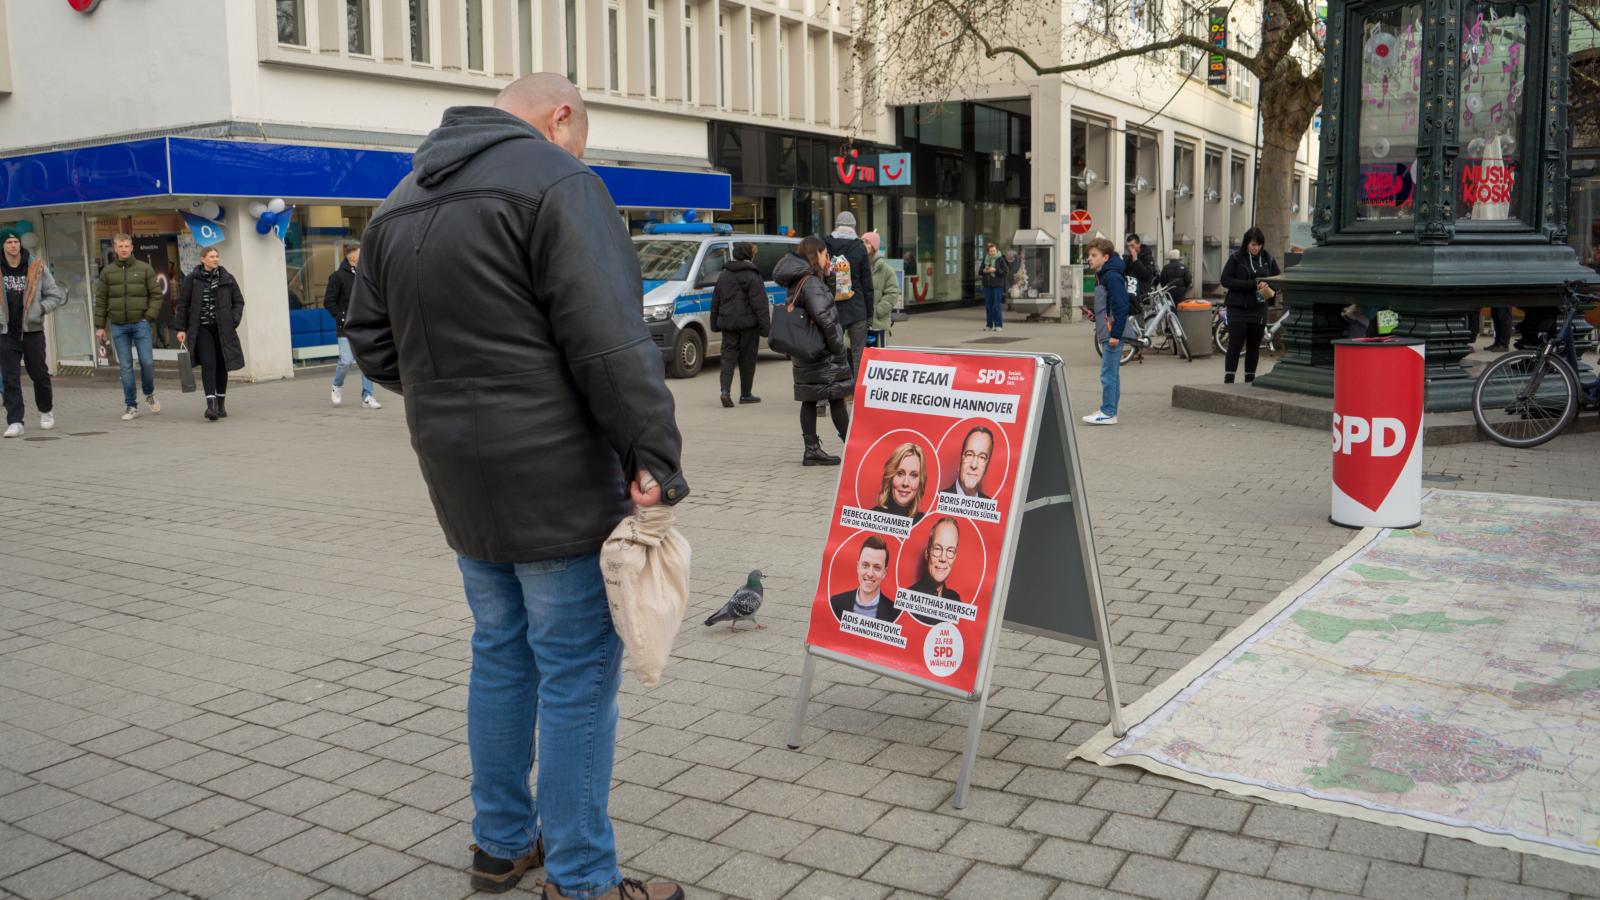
1445	679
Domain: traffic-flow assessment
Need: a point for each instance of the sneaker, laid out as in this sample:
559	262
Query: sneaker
338	396
47	420
1100	418
370	402
151	401
14	429
131	414
629	889
496	876
749	398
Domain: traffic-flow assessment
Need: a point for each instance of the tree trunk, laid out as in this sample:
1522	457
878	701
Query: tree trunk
1287	106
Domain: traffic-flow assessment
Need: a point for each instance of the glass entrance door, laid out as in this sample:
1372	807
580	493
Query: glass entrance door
72	328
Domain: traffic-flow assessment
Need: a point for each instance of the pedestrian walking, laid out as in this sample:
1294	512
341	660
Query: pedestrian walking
1111	306
803	274
1175	275
852	272
31	293
336	300
741	311
885	291
1245	276
127	299
210	308
528	396
996	276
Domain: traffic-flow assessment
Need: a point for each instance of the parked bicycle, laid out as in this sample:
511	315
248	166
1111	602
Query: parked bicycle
1269	339
1527	397
1158	329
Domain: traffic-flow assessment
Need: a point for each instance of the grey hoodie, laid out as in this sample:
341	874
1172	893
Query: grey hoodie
41	296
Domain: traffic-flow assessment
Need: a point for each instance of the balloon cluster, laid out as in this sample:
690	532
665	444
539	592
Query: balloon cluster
26	234
268	215
206	209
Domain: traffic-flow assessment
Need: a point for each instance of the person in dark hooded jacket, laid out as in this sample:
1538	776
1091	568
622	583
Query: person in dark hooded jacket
1245	276
741	311
210	308
803	274
852	273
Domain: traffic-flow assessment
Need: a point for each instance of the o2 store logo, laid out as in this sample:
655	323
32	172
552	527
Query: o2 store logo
83	6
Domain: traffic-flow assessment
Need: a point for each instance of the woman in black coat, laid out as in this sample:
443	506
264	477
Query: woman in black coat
803	274
1245	276
741	311
210	308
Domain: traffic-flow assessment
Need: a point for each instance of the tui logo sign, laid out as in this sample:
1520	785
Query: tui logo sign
83	6
889	169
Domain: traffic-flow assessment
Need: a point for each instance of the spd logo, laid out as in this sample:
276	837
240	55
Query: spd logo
1378	395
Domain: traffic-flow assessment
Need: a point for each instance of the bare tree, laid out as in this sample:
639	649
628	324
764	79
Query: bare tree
930	50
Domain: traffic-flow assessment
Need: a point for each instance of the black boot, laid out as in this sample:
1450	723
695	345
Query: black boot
222	407
727	400
211	409
1249	377
748	398
1227	378
815	455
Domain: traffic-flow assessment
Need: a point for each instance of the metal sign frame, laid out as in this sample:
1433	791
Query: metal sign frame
1049	397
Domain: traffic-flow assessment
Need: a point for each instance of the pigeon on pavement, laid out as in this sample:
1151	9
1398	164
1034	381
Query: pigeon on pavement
742	605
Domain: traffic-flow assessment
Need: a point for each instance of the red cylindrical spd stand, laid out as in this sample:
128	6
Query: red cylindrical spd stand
1377	432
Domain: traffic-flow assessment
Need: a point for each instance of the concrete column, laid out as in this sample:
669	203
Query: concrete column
822	78
597	57
395	28
673	88
740	59
1050	121
708	47
795	43
451	26
257	263
766	36
502	39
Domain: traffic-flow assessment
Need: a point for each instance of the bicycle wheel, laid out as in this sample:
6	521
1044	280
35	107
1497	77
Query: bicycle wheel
1180	343
1219	336
1098	350
1525	398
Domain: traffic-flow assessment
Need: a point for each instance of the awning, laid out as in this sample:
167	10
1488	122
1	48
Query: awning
165	166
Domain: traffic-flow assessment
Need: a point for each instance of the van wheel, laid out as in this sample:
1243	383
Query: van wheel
688	354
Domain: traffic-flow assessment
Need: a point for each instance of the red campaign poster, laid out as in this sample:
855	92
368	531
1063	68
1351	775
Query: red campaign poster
925	495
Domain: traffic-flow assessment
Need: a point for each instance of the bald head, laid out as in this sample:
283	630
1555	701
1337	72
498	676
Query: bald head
551	104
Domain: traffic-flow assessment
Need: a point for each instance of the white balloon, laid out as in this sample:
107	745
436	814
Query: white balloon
30	241
276	205
210	209
256	208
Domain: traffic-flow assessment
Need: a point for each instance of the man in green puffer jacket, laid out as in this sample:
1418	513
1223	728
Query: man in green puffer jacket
127	299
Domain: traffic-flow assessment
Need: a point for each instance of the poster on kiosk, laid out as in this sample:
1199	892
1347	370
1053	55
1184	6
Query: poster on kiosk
925	540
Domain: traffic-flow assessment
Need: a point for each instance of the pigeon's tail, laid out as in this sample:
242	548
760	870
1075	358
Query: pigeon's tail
725	614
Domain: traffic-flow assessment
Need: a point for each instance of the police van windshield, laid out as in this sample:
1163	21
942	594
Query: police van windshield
666	260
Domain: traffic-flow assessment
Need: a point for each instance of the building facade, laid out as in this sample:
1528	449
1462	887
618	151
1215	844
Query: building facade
183	103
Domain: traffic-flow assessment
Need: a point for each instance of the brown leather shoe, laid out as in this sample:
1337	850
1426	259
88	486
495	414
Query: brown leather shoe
629	889
496	876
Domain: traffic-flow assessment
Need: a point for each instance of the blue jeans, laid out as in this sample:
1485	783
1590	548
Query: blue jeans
126	338
544	649
993	307
1110	378
346	360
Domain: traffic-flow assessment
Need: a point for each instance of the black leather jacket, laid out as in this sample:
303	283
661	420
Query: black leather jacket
500	294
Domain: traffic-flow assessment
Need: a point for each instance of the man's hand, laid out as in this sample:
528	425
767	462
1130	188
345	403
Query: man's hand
1113	342
183	337
646	491
100	335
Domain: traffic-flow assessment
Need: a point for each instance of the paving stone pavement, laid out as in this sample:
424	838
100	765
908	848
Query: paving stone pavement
233	663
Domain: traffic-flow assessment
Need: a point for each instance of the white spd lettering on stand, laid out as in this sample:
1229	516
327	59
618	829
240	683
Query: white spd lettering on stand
1388	435
991	376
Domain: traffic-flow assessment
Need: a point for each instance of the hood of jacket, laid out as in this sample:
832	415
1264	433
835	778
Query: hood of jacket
464	132
743	265
789	270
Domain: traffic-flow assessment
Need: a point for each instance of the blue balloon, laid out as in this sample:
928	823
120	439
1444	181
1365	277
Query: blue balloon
690	215
265	222
23	227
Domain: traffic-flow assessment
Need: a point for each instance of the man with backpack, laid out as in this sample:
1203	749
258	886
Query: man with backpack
852	272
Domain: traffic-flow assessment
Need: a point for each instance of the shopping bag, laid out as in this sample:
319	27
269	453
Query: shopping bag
645	564
793	333
185	370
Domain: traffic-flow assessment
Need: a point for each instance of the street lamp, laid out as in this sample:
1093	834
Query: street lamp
1443	180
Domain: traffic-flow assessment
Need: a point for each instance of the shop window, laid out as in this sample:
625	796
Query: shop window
1196	24
1093	14
358	41
292	22
1494	77
989	129
73	322
730	153
940	125
473	10
1387	117
421	37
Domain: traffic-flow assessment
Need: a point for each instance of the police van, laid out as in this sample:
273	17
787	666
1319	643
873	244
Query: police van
680	263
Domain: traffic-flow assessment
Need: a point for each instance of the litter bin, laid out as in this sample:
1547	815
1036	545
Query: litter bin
1377	432
1195	317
